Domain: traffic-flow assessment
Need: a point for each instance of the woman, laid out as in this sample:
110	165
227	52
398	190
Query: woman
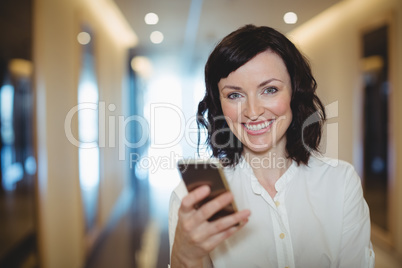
264	122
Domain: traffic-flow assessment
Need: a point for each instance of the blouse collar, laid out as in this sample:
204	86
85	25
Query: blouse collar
280	184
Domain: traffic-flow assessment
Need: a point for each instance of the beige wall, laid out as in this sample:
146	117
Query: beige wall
63	241
332	42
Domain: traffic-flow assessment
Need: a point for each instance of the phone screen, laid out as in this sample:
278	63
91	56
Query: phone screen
198	173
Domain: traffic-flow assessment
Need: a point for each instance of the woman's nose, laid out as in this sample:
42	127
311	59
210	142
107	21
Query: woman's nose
253	109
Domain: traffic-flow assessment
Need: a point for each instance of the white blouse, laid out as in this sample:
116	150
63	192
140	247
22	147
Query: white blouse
317	219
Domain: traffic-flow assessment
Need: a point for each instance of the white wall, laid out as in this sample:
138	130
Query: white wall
332	43
57	57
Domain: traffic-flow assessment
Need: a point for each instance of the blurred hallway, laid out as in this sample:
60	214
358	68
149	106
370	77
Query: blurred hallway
139	238
136	239
62	208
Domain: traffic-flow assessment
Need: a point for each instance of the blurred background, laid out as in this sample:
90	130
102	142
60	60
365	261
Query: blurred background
97	104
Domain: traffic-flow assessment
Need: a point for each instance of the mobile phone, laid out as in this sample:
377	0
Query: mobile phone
196	173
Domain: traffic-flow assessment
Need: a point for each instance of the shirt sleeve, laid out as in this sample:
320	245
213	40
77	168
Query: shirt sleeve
356	248
173	217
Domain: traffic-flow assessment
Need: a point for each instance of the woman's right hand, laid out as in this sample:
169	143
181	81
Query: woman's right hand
195	236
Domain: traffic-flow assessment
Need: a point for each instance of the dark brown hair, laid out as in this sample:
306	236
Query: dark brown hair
304	133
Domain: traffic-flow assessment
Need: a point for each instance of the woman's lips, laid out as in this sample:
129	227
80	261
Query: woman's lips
258	127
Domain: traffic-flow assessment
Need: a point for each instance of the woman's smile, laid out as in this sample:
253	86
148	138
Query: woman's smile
257	128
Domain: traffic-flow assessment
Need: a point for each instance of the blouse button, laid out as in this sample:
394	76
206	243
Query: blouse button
277	203
282	235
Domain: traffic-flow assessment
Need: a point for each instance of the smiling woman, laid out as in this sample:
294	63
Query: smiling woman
259	93
289	70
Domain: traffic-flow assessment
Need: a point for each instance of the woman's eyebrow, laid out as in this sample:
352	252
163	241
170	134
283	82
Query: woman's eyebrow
231	87
260	85
269	81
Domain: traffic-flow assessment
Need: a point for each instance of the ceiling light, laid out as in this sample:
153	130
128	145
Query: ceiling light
83	38
151	19
156	37
142	65
20	67
290	18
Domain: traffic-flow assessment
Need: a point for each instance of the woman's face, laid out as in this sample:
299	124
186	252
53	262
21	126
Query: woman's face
255	101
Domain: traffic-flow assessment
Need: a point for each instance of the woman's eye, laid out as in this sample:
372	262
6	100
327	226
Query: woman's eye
234	96
270	90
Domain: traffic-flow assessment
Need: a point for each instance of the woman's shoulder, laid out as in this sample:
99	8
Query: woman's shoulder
317	161
338	167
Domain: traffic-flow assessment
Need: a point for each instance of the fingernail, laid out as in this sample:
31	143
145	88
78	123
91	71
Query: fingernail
243	222
205	188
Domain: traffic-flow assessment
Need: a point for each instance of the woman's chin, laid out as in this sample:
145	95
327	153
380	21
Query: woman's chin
257	148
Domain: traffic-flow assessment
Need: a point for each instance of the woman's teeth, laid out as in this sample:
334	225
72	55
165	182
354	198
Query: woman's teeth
256	127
